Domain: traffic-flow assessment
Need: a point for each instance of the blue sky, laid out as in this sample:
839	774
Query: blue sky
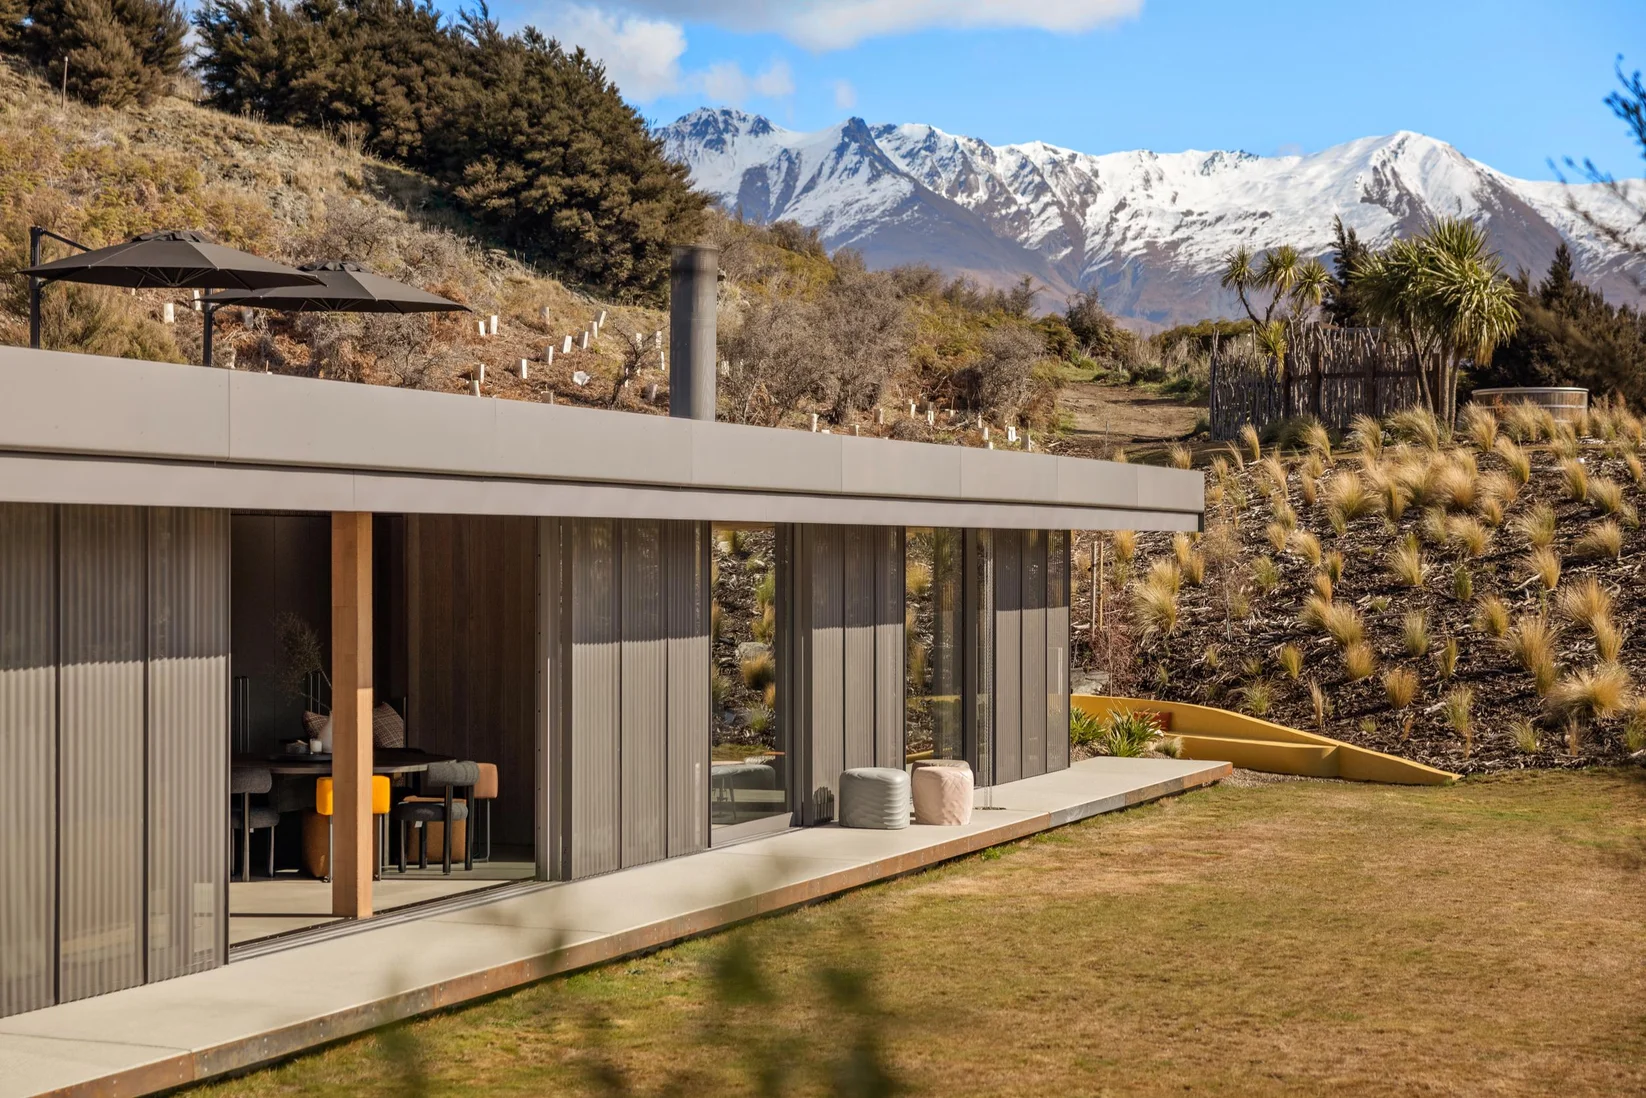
1511	83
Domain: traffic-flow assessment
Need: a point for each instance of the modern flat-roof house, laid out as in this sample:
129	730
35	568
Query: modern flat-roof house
192	559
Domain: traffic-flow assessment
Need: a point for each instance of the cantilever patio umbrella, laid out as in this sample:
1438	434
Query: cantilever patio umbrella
343	287
174	259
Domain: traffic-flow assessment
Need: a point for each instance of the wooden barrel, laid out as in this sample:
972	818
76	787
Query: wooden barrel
1564	404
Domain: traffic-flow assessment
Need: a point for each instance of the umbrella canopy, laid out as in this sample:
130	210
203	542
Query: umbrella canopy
171	260
345	287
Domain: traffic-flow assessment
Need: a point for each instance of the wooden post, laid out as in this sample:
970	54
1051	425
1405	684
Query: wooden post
351	676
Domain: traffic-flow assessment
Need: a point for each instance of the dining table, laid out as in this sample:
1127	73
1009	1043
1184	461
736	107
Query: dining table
385	760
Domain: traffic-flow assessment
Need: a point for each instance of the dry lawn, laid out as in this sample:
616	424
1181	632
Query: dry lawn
1292	937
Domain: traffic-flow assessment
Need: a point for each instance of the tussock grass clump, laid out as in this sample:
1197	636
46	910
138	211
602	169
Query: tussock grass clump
1468	535
1463	583
1523	733
1313	466
1575	479
1434	528
1339	620
1492	616
1491	511
1124	544
1251	442
1480	425
1257	699
1414	633
1332	564
1594	692
1585	603
1531	643
1290	658
1322	584
1456	484
1366	435
1317	439
1283	513
1277	535
1406	562
1351	497
1544	566
917	580
1164	574
1500	488
1154	600
1359	661
1516	461
1602	541
1636	472
1307	546
1308	489
1563	441
1416	425
1537	523
1608	640
1400	686
1458	706
1179	456
1265	574
1526	422
758	671
1447	658
1606	494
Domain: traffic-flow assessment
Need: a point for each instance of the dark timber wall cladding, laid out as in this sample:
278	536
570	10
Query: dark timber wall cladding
1030	703
471	628
846	641
122	614
629	707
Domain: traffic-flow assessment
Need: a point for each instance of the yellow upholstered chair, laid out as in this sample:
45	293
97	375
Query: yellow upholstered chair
323	808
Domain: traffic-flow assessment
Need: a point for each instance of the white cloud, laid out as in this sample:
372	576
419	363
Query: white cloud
726	82
845	96
837	24
641	55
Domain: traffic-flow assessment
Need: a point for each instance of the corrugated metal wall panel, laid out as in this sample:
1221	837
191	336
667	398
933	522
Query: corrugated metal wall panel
188	650
596	667
857	549
101	812
823	661
890	677
1008	650
1057	650
28	752
684	561
979	622
1033	626
644	704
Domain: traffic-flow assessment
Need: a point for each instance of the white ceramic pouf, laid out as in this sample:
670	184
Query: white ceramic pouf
943	795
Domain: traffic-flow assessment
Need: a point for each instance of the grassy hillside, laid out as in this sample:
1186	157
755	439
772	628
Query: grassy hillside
103	175
1471	603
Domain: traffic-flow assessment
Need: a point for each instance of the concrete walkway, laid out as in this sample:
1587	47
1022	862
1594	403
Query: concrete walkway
259	1010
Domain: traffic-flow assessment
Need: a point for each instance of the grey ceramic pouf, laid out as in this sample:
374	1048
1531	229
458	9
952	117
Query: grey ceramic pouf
874	797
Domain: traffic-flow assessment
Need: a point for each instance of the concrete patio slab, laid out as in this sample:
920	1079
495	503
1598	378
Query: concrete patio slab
264	1008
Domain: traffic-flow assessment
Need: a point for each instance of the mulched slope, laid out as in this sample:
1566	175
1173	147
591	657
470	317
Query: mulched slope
1213	660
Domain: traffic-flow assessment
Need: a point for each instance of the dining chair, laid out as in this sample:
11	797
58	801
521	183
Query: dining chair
245	817
447	811
324	806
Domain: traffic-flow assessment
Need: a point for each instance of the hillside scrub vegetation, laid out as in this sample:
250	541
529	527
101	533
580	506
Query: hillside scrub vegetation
1465	599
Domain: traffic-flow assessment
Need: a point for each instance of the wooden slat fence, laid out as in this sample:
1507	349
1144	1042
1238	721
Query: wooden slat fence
1333	374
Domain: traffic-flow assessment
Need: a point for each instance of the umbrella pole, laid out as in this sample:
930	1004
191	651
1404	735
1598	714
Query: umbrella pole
35	232
210	311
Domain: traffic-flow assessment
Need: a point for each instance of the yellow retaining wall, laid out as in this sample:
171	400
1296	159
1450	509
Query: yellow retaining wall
1209	733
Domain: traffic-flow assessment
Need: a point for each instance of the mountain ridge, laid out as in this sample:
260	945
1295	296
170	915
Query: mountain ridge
1145	229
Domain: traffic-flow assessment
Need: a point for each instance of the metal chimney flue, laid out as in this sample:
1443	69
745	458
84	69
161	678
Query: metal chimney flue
694	271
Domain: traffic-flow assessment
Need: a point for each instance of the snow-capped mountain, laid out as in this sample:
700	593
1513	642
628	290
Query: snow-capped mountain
1146	230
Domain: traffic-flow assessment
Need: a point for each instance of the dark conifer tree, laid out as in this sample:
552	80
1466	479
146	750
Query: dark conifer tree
117	51
1341	307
